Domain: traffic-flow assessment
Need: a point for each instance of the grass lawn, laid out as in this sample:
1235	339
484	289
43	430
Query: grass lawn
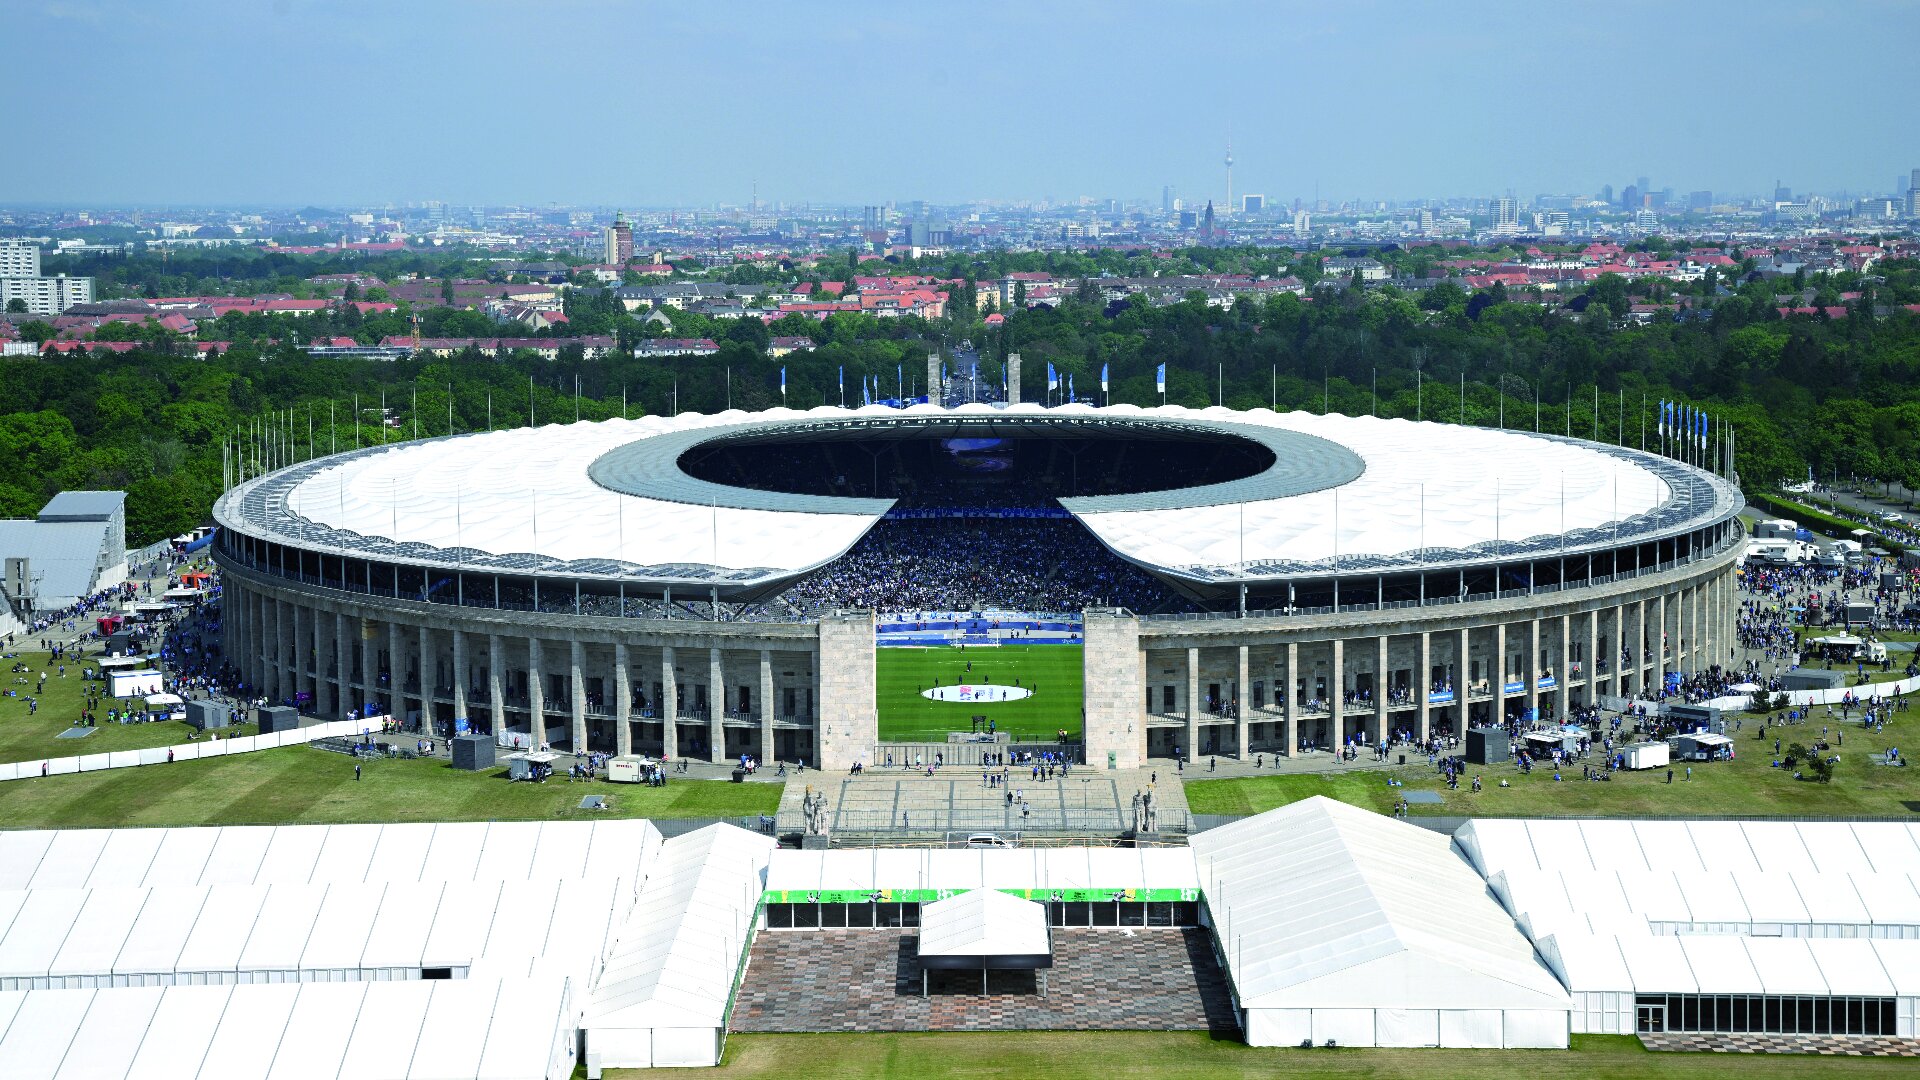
1148	1055
28	738
304	785
1745	785
907	716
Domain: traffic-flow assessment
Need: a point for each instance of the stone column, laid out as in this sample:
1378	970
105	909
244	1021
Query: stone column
1241	689
1337	693
1291	697
1660	642
717	707
460	674
536	692
1499	673
1115	729
1615	663
577	672
369	666
1423	684
1380	689
302	644
1462	683
1592	664
1693	630
276	670
1562	669
496	684
668	705
342	667
396	669
429	679
849	722
1530	670
765	752
1193	704
622	700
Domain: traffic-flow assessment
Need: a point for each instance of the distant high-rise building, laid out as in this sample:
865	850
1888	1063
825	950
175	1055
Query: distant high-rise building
1913	182
873	217
1303	223
1253	204
1630	198
19	258
618	242
1505	212
1189	219
1606	194
1166	199
1700	200
1643	184
1782	193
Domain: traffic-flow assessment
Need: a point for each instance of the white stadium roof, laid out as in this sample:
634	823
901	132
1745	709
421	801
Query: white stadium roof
1368	490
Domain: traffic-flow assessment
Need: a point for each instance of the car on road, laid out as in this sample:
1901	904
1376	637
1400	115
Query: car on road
988	840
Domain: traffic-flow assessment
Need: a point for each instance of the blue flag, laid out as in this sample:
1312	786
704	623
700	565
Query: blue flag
843	378
1103	378
1160	379
783	380
1070	396
1053	380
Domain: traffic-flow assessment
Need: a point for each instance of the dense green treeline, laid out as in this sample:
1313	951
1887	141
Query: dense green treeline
1839	396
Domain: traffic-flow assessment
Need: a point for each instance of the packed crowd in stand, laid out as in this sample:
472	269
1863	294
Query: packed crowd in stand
962	565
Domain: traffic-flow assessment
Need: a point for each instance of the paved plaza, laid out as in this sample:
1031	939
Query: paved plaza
1758	1043
1103	980
903	803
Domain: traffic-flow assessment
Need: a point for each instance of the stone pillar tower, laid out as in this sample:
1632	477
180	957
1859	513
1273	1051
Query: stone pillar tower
1013	378
934	395
1115	728
849	723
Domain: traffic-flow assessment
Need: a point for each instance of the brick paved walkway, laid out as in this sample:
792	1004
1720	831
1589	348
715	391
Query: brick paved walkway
1847	1045
869	980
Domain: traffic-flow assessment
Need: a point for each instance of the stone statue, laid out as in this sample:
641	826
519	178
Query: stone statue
1139	819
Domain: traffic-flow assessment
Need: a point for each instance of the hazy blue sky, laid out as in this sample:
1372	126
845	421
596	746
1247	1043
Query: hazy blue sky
597	101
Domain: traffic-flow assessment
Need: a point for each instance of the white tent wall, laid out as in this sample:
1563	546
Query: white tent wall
1406	1027
1323	907
661	998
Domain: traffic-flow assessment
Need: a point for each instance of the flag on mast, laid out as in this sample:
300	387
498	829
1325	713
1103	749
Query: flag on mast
1160	380
783	382
1070	394
1053	379
1103	378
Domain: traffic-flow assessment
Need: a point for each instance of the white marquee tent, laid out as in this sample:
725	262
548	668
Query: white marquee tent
661	999
474	1029
1340	924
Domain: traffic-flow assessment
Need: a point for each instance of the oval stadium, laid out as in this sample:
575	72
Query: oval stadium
795	586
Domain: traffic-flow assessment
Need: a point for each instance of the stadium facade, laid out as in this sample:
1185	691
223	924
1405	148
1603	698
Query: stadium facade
1339	576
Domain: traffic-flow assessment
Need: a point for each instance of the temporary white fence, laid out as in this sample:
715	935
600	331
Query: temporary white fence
191	751
1832	695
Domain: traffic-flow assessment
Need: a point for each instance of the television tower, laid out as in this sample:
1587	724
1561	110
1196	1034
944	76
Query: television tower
1229	207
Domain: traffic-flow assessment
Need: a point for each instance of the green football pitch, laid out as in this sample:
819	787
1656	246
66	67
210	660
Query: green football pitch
1051	672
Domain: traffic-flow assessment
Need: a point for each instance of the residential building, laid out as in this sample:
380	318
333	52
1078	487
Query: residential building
19	258
46	295
1253	204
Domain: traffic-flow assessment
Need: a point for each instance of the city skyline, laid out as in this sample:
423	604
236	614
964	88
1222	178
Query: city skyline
591	103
